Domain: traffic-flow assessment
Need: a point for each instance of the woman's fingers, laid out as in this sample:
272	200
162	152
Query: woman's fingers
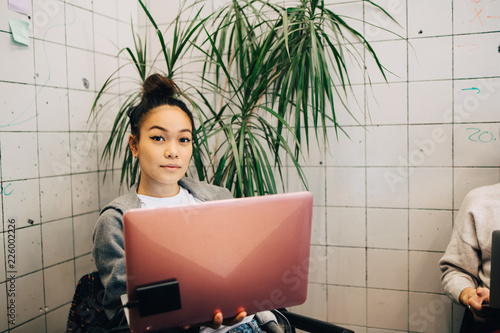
218	318
235	320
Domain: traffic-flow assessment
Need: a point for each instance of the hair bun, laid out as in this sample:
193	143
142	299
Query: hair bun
159	85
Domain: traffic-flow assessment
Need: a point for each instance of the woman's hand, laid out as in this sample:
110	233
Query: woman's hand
474	300
219	320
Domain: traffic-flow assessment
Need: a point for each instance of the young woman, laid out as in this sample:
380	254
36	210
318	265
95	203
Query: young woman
161	139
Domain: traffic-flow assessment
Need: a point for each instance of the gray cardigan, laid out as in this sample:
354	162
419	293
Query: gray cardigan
108	250
467	260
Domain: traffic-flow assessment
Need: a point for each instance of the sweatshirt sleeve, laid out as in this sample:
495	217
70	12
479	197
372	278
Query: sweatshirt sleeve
461	261
109	256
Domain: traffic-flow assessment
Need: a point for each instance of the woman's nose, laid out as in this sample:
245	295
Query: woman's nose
171	151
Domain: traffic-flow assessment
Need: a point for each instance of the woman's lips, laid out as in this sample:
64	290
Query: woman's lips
171	166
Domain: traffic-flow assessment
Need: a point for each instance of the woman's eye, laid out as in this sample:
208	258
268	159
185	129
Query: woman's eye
185	140
157	138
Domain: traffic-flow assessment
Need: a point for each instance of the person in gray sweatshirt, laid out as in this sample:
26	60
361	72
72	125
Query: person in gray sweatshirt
466	263
161	139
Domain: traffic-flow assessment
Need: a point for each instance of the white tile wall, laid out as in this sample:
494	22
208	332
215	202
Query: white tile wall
315	304
105	65
83	229
80	104
472	17
354	65
348	150
125	38
429	313
54	154
385	196
424	271
55	248
430	101
318	231
387	187
3	258
430	59
381	97
315	155
79	28
467	179
18	113
52	104
350	12
476	100
56	320
22	202
30	298
84	151
352	309
346	226
106	117
317	264
395	66
430	230
106	35
49	173
50	64
84	265
86	4
59	285
128	11
49	21
109	187
315	180
457	313
347	266
430	145
382	302
439	179
345	186
19	156
18	60
387	228
355	102
80	69
423	22
55	198
387	269
382	27
472	56
3	310
85	193
386	145
477	145
28	250
36	325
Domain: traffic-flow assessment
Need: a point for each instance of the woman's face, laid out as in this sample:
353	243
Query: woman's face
164	150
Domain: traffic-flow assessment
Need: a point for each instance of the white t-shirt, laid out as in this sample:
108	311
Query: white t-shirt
181	198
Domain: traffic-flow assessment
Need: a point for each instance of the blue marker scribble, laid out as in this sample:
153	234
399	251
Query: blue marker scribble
3	190
473	88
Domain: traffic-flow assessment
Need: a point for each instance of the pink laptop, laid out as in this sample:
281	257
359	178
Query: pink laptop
185	263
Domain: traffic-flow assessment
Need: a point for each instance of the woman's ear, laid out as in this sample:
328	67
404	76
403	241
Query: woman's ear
133	143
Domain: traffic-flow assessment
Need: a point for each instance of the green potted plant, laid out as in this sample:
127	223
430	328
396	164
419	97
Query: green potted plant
272	71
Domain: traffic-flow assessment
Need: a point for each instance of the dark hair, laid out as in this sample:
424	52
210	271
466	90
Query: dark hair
157	90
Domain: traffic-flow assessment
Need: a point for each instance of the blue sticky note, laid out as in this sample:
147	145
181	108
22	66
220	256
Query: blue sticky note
19	31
